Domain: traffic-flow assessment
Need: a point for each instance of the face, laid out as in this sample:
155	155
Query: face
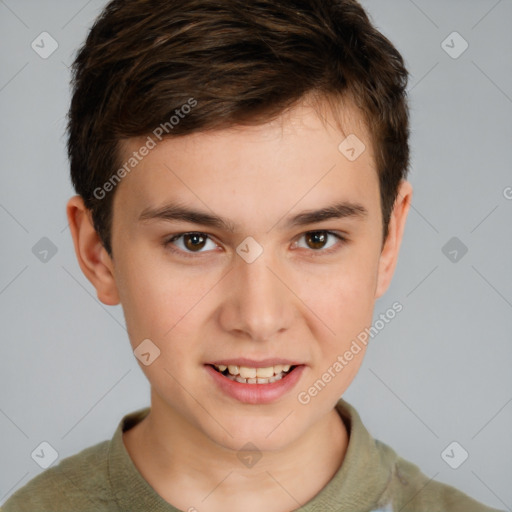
263	289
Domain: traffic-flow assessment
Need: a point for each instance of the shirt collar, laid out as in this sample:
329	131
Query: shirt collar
366	472
357	486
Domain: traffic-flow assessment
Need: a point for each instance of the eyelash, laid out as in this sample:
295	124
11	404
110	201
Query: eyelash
168	243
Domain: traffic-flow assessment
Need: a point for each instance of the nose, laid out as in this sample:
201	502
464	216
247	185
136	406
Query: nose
258	304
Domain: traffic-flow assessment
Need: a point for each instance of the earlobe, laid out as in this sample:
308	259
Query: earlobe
92	257
389	255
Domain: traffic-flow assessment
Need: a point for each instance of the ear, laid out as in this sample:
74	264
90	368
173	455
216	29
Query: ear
92	257
389	254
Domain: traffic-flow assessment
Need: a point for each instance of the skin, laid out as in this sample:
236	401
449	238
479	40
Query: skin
292	302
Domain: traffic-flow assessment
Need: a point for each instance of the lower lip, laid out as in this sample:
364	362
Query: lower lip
256	393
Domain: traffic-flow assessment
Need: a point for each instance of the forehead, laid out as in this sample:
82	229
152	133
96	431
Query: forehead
300	157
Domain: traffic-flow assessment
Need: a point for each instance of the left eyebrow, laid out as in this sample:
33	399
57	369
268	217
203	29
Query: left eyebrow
176	212
344	209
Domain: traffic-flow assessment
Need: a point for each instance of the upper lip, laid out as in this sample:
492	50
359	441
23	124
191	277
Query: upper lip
251	363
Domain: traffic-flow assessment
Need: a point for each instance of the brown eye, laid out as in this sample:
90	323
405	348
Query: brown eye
317	242
194	241
316	239
188	244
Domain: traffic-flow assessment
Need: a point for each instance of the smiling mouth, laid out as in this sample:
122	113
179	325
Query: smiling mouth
247	375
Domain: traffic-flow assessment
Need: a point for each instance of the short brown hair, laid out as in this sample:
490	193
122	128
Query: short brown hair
241	63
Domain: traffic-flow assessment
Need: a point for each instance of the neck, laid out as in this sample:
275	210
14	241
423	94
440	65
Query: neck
187	469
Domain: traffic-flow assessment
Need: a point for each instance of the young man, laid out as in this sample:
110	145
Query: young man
241	176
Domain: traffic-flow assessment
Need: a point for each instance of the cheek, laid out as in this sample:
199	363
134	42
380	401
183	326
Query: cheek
343	297
355	291
152	297
346	307
163	302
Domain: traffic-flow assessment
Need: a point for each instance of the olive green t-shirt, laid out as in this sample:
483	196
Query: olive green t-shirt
372	478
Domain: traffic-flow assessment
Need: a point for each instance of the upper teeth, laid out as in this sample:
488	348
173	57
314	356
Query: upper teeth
251	373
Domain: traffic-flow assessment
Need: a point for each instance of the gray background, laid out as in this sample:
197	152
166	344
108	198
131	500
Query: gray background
440	372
